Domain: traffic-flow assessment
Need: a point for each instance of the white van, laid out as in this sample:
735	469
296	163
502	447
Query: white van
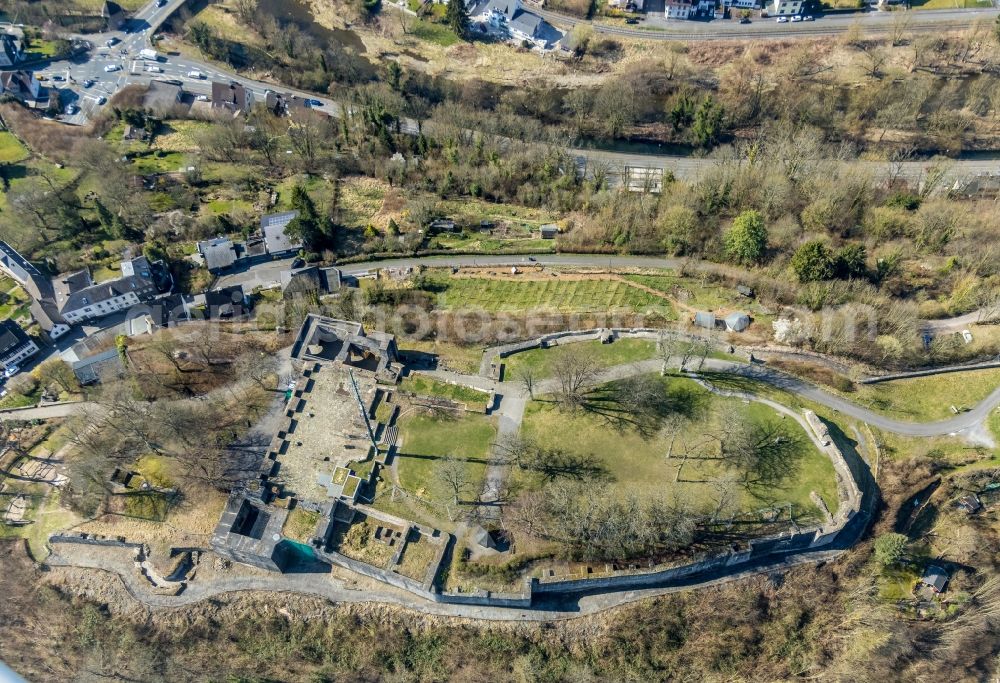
195	74
154	70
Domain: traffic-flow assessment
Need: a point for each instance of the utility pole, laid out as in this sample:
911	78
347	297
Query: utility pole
364	413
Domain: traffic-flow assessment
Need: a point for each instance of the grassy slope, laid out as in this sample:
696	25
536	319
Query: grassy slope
926	399
638	464
427	438
541	361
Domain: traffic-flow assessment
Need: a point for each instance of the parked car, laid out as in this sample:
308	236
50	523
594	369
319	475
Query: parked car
111	67
88	83
808	17
72	109
154	70
782	20
196	74
10	371
796	18
161	3
202	98
111	41
102	100
745	20
57	77
631	20
315	103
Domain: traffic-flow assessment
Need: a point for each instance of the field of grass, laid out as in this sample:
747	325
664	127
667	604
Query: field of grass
896	583
417	557
11	149
541	361
427	438
300	525
158	162
433	33
927	399
425	386
563	295
637	464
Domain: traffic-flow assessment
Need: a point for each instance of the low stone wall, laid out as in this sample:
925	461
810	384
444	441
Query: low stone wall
88	539
930	372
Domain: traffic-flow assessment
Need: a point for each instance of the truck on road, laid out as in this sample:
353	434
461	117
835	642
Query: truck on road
150	54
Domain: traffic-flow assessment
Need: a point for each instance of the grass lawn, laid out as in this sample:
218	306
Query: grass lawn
358	542
637	464
541	361
425	386
563	295
428	437
896	583
158	162
300	524
417	557
11	149
433	33
926	399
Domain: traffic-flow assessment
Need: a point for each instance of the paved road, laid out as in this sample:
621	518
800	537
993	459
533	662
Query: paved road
874	22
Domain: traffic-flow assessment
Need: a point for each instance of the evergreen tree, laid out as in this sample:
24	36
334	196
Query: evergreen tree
707	123
457	17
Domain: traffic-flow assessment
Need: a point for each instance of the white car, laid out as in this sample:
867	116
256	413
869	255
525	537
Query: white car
196	74
796	18
71	109
154	70
782	20
102	100
202	98
808	17
10	371
111	67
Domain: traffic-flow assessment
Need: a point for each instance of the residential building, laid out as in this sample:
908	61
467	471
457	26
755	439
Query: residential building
786	8
936	578
162	97
99	367
283	104
79	298
231	96
20	84
741	4
521	24
15	345
219	253
226	303
298	281
688	9
11	50
273	227
548	232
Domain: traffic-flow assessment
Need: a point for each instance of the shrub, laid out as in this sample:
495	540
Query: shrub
746	240
812	262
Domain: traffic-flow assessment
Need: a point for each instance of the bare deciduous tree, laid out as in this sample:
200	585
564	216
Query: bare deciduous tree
575	372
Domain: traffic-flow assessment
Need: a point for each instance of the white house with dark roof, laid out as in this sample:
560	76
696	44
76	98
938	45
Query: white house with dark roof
521	24
273	228
78	298
15	345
